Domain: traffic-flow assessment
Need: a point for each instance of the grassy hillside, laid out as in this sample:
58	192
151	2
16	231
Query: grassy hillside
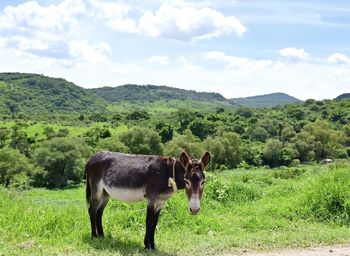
38	94
132	92
343	96
242	210
265	101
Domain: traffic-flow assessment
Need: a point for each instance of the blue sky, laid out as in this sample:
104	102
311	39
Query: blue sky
237	48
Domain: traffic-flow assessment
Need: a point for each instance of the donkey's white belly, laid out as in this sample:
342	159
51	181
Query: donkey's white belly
125	194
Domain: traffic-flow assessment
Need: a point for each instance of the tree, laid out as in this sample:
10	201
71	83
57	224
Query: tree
15	169
186	142
138	115
112	144
4	135
62	161
258	133
93	135
49	132
226	149
184	117
272	152
20	140
252	154
202	128
165	131
244	112
141	140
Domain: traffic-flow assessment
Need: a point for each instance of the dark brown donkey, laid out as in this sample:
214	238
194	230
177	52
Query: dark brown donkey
131	178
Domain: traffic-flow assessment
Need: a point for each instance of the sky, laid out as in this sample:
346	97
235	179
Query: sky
237	48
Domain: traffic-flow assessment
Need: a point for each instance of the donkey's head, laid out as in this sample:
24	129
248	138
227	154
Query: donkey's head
194	179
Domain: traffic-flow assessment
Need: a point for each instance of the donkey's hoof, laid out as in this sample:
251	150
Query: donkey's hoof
150	248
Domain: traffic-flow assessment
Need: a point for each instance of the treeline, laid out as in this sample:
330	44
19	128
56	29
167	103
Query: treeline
244	137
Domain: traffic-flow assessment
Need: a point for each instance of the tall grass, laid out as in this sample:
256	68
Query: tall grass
241	210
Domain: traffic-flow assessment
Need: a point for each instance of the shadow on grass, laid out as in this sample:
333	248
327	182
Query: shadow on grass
113	245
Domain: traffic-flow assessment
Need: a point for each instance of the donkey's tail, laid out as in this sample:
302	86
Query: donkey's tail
88	191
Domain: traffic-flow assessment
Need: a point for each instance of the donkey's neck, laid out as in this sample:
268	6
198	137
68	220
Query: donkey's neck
177	169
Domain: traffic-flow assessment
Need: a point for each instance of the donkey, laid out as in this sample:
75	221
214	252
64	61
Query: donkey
132	178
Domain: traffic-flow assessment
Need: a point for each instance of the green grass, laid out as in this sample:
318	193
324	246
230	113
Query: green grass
260	209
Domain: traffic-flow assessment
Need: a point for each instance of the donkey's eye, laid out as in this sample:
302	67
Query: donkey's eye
187	182
202	183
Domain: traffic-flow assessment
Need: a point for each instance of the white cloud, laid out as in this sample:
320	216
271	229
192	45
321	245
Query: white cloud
295	53
174	19
81	49
339	58
234	62
158	59
114	14
188	23
39	29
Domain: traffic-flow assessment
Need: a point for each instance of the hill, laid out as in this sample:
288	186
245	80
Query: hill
343	96
38	94
265	101
132	92
160	98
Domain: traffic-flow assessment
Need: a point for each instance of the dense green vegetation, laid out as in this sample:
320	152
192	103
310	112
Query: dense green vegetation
265	187
256	209
37	95
242	137
266	101
132	92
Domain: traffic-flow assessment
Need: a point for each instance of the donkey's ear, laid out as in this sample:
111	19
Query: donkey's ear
205	159
185	160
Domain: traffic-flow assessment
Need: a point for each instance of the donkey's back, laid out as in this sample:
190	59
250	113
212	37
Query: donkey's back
122	170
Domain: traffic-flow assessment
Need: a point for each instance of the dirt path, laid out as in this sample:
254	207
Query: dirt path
334	250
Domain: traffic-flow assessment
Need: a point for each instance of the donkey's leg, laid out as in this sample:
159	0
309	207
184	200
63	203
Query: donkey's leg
102	205
96	196
153	211
92	213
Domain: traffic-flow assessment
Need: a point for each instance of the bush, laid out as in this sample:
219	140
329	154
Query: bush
252	154
185	142
142	141
62	160
15	168
226	149
112	144
272	152
327	198
231	192
202	128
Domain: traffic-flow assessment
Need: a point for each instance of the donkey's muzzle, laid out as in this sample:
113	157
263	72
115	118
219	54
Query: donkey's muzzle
194	205
194	211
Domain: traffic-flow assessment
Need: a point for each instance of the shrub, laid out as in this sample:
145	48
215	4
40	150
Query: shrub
62	160
112	144
327	198
186	142
226	149
15	168
272	152
142	141
231	192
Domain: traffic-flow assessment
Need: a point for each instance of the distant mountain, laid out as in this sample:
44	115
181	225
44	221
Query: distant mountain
132	92
265	101
38	94
343	96
35	94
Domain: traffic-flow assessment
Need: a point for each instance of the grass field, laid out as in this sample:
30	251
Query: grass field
242	210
